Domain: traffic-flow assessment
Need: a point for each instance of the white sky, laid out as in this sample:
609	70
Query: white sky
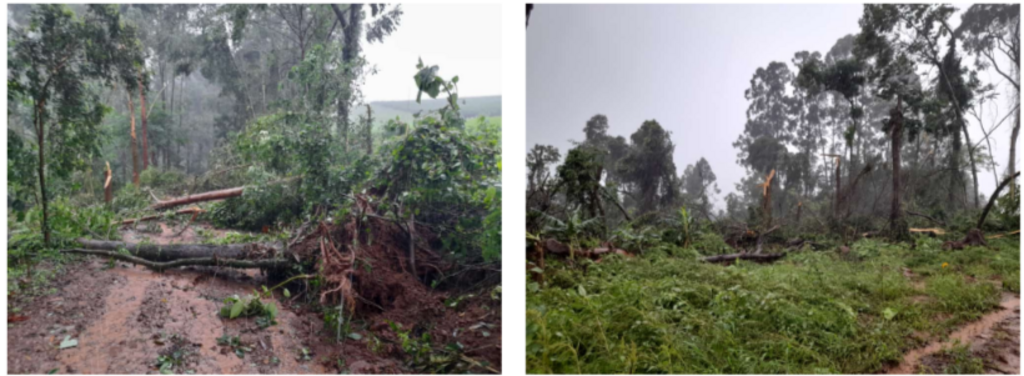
685	66
463	39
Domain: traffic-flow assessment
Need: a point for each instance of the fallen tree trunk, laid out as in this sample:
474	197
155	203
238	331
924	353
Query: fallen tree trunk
202	197
762	258
200	261
209	196
173	252
557	248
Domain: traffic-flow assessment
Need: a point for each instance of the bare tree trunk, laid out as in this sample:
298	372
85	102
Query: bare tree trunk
134	143
974	166
839	184
897	226
369	130
41	139
351	28
145	135
173	79
1013	149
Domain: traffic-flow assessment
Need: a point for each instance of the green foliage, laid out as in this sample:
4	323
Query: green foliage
262	204
164	179
21	164
1007	209
445	178
235	307
51	68
813	312
129	199
418	349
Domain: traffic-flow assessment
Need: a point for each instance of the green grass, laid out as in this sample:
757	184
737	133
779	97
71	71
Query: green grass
813	312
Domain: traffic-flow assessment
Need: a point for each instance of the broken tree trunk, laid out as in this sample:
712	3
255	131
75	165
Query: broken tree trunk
765	258
108	191
201	261
172	252
208	196
134	143
766	199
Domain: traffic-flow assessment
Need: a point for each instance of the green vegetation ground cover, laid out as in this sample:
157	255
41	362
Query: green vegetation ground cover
813	312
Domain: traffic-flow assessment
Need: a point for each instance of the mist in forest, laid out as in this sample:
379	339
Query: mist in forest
688	67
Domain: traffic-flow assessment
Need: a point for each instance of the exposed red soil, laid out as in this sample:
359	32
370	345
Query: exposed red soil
126	317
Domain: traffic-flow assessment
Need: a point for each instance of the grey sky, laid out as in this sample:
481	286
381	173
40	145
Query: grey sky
686	66
462	39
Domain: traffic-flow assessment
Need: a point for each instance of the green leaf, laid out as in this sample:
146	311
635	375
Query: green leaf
271	309
287	294
889	314
236	309
581	290
355	336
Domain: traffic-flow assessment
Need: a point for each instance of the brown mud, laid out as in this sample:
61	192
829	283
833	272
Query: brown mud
126	317
995	338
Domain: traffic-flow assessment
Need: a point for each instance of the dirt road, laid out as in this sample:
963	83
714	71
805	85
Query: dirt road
995	339
128	319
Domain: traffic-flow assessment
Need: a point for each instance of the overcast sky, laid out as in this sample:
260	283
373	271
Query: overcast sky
685	66
463	39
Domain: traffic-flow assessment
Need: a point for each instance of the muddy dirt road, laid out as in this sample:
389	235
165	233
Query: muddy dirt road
128	319
995	339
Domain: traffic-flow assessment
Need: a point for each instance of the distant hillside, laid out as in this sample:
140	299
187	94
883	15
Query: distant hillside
471	107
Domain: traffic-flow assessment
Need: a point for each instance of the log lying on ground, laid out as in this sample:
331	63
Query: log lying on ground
758	258
200	261
173	252
557	248
202	197
209	196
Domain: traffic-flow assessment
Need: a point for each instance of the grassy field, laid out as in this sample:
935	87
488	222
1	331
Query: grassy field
812	312
470	107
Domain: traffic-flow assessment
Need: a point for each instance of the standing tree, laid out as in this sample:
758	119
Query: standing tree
990	31
351	19
698	180
51	66
649	168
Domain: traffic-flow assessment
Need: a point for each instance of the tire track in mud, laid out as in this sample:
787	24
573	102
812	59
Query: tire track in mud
976	331
144	309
